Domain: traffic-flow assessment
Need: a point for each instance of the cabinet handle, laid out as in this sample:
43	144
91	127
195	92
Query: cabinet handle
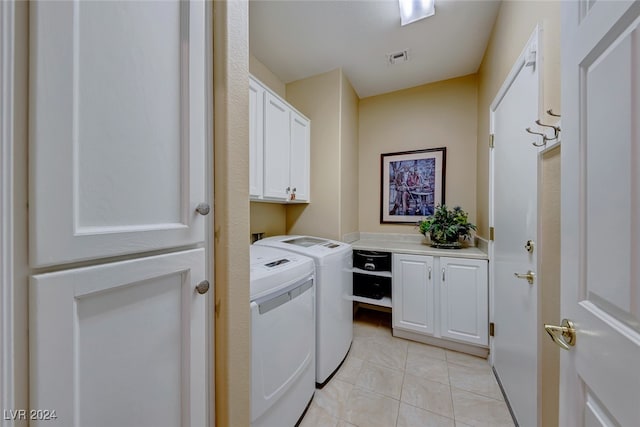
288	190
429	273
443	274
294	189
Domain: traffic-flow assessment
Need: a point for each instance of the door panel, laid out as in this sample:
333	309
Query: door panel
276	148
117	128
256	138
300	156
413	293
464	300
121	344
515	212
600	376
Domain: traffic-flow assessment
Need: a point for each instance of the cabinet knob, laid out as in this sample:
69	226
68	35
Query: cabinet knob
294	189
203	209
288	190
203	287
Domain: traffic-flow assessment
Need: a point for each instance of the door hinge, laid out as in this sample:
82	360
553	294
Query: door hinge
491	142
492	329
492	232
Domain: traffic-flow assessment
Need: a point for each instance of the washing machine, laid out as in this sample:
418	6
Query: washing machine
283	313
334	296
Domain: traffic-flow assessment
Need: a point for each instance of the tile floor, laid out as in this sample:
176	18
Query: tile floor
392	382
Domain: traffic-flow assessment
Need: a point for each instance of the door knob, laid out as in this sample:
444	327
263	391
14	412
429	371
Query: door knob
564	335
203	209
202	287
529	275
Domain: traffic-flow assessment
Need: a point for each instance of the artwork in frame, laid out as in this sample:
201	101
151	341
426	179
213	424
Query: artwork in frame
412	184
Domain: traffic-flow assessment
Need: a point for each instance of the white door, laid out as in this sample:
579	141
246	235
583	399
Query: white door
600	291
276	148
117	128
117	168
413	293
515	309
121	344
464	300
300	156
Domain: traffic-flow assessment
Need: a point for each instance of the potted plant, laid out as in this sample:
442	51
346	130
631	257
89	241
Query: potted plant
446	226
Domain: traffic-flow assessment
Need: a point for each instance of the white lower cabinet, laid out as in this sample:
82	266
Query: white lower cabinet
441	297
413	293
464	297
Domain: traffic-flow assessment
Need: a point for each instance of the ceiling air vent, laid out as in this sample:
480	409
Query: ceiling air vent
398	57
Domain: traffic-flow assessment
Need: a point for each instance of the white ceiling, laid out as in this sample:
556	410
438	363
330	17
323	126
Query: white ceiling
296	39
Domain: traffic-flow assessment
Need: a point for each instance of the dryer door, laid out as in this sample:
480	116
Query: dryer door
283	344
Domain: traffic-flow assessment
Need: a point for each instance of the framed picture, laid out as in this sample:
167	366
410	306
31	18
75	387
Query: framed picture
412	184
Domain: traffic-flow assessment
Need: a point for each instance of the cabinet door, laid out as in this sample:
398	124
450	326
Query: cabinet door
300	152
118	128
121	344
412	299
464	300
276	148
256	138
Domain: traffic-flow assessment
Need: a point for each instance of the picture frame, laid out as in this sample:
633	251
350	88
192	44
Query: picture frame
412	184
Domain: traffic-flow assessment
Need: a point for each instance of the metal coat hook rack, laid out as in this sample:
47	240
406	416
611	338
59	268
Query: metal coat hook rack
545	138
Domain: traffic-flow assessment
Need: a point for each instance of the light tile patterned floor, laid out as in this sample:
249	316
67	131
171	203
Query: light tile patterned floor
392	382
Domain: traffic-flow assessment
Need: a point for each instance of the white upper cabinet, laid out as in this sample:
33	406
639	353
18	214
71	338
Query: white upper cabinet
279	148
256	138
117	150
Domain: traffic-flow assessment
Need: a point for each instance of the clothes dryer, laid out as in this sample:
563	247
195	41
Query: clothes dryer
282	336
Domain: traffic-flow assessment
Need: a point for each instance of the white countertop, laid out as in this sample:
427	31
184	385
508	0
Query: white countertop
409	244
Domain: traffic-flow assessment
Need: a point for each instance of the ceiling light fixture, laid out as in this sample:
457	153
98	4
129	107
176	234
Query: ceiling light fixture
415	10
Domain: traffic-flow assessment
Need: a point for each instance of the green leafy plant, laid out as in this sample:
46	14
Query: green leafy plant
447	225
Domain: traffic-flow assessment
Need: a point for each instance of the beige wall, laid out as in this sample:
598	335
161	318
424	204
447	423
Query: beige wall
348	158
231	221
514	25
441	114
549	289
262	73
267	218
318	98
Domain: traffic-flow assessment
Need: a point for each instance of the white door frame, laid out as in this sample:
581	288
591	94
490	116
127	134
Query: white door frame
209	223
7	43
536	38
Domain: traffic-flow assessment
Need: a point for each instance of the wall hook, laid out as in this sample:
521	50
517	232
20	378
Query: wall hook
556	129
544	138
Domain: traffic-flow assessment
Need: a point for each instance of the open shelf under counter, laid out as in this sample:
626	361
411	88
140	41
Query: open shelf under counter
372	273
384	302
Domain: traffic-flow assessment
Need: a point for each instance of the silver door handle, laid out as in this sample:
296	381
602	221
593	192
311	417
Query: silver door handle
443	274
203	209
429	273
529	276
